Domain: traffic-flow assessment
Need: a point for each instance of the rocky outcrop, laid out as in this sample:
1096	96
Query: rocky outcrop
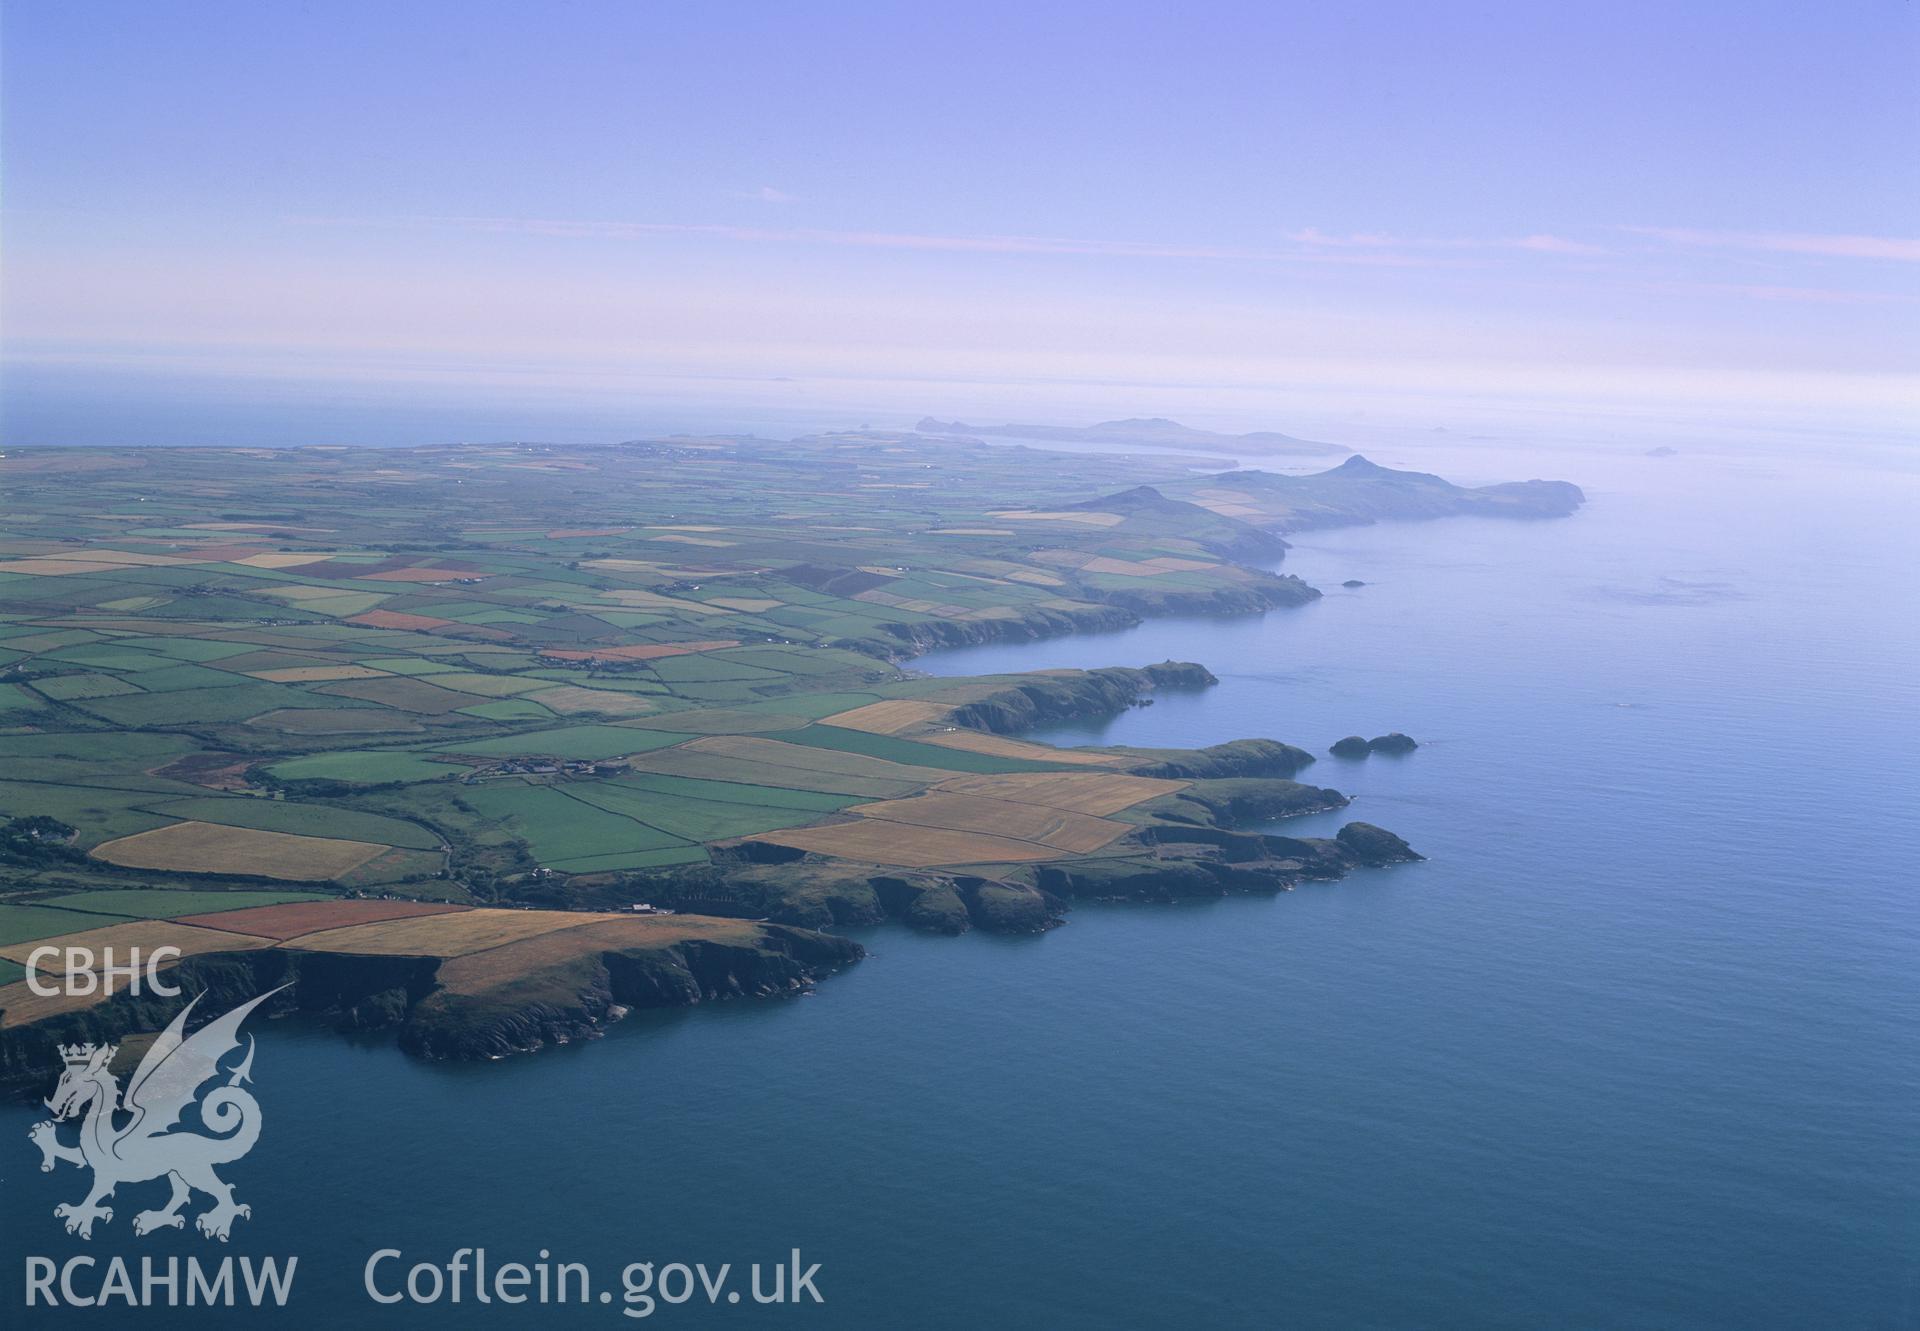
1234	598
1236	758
1214	862
578	1001
1353	746
1392	743
1036	700
916	637
1374	846
1231	801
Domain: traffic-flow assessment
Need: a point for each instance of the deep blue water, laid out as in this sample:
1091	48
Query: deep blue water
1639	1046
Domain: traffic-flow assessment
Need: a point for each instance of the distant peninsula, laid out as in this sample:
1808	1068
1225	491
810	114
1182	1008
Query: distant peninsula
1145	431
486	745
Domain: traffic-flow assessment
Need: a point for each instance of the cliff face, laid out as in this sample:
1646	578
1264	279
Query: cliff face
1251	598
919	636
571	998
524	1013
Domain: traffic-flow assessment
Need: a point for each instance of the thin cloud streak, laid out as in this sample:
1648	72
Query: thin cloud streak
1308	245
1898	248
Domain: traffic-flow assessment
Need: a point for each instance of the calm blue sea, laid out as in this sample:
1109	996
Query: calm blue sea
1639	1045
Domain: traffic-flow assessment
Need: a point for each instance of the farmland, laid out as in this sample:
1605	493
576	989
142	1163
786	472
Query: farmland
378	703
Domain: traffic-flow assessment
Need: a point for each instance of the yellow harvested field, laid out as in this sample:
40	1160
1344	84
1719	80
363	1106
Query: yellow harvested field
999	746
1085	519
316	674
1060	829
889	717
1099	793
146	935
195	847
680	761
1036	577
970	531
692	540
450	935
571	698
878	841
806	758
20	1005
512	963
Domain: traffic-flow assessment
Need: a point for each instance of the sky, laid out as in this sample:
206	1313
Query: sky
1634	202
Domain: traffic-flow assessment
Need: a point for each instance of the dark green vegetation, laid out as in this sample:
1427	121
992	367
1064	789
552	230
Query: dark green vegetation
667	671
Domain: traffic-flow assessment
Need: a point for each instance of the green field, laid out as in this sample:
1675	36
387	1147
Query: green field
66	688
557	827
25	924
368	767
693	819
737	587
907	751
169	903
587	743
300	819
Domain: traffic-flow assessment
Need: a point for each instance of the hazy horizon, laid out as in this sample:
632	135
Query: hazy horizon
1087	212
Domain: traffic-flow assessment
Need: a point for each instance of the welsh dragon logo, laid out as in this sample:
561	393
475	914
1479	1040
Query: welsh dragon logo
140	1140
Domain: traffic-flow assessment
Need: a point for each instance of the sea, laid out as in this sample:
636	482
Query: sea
1636	1046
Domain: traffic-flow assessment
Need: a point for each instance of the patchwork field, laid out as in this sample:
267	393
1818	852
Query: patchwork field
452	934
171	903
194	847
877	841
1099	794
123	938
293	919
1059	829
664	670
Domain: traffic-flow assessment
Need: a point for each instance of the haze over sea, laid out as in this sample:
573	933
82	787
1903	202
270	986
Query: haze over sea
1638	1046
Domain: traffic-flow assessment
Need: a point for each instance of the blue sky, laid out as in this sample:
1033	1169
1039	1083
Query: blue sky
1638	201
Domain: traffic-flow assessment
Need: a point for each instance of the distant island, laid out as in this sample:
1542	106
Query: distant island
1147	432
488	744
